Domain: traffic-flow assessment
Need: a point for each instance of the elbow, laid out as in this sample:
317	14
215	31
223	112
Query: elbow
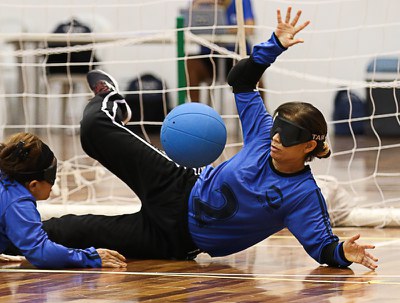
245	75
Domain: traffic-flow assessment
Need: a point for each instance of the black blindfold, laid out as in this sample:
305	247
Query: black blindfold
292	134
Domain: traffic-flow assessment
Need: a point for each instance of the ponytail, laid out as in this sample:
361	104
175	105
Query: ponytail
325	152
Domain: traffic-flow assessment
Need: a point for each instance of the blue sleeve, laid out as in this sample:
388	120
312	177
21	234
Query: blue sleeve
244	75
309	223
24	230
256	122
266	52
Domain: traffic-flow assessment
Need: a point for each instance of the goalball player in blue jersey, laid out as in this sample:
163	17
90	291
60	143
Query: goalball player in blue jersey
263	189
27	173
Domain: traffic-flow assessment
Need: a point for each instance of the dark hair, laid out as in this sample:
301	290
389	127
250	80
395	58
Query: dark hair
309	117
23	152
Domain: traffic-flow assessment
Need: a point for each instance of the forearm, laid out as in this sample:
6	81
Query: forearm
244	76
57	256
266	52
26	235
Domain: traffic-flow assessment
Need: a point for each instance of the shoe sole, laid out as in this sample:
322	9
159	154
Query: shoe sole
113	83
116	88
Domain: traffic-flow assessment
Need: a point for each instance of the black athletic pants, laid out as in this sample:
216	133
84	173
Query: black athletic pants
159	230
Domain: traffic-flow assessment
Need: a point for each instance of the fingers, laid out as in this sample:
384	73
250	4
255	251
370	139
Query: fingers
111	258
296	18
369	263
112	253
296	41
369	259
7	258
287	30
301	27
354	238
288	12
279	16
371	256
113	264
4	258
117	255
368	246
371	266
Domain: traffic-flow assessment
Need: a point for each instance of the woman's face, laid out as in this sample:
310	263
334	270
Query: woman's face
291	153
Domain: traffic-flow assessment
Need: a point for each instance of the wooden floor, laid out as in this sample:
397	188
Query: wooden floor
276	270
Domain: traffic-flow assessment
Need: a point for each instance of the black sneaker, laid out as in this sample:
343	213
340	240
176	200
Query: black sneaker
101	83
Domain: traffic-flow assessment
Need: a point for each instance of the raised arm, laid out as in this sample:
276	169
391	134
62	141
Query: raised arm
244	76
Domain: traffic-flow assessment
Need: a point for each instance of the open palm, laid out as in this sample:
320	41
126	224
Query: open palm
357	253
287	30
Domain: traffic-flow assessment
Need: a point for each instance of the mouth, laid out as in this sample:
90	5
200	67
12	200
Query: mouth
274	148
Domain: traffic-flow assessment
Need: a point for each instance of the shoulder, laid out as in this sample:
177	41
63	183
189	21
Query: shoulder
306	189
308	183
312	195
12	192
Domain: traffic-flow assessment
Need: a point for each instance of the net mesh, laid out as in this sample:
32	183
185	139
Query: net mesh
354	53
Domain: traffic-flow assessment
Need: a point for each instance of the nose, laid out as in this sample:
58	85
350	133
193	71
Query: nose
276	138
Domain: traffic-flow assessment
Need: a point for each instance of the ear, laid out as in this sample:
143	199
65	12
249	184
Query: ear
310	146
33	187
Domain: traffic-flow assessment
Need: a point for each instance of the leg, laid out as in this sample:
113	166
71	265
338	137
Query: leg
198	72
145	234
145	169
128	234
160	229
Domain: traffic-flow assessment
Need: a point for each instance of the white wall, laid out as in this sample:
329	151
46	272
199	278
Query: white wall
342	38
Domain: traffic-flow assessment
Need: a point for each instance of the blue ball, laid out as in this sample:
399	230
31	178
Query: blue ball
193	135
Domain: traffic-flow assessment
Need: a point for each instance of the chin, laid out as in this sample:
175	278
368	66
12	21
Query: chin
274	155
43	198
277	157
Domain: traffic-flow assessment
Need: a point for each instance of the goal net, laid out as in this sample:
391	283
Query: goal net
348	67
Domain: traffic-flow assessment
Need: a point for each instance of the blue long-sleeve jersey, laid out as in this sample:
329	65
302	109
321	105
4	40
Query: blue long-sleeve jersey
245	200
20	224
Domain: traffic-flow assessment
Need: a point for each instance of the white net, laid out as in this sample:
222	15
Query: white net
350	46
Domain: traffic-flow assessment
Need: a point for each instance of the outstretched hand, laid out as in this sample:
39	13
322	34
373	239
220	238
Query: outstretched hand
286	31
111	258
8	258
356	253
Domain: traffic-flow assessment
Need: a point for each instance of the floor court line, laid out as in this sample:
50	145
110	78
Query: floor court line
342	237
250	276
